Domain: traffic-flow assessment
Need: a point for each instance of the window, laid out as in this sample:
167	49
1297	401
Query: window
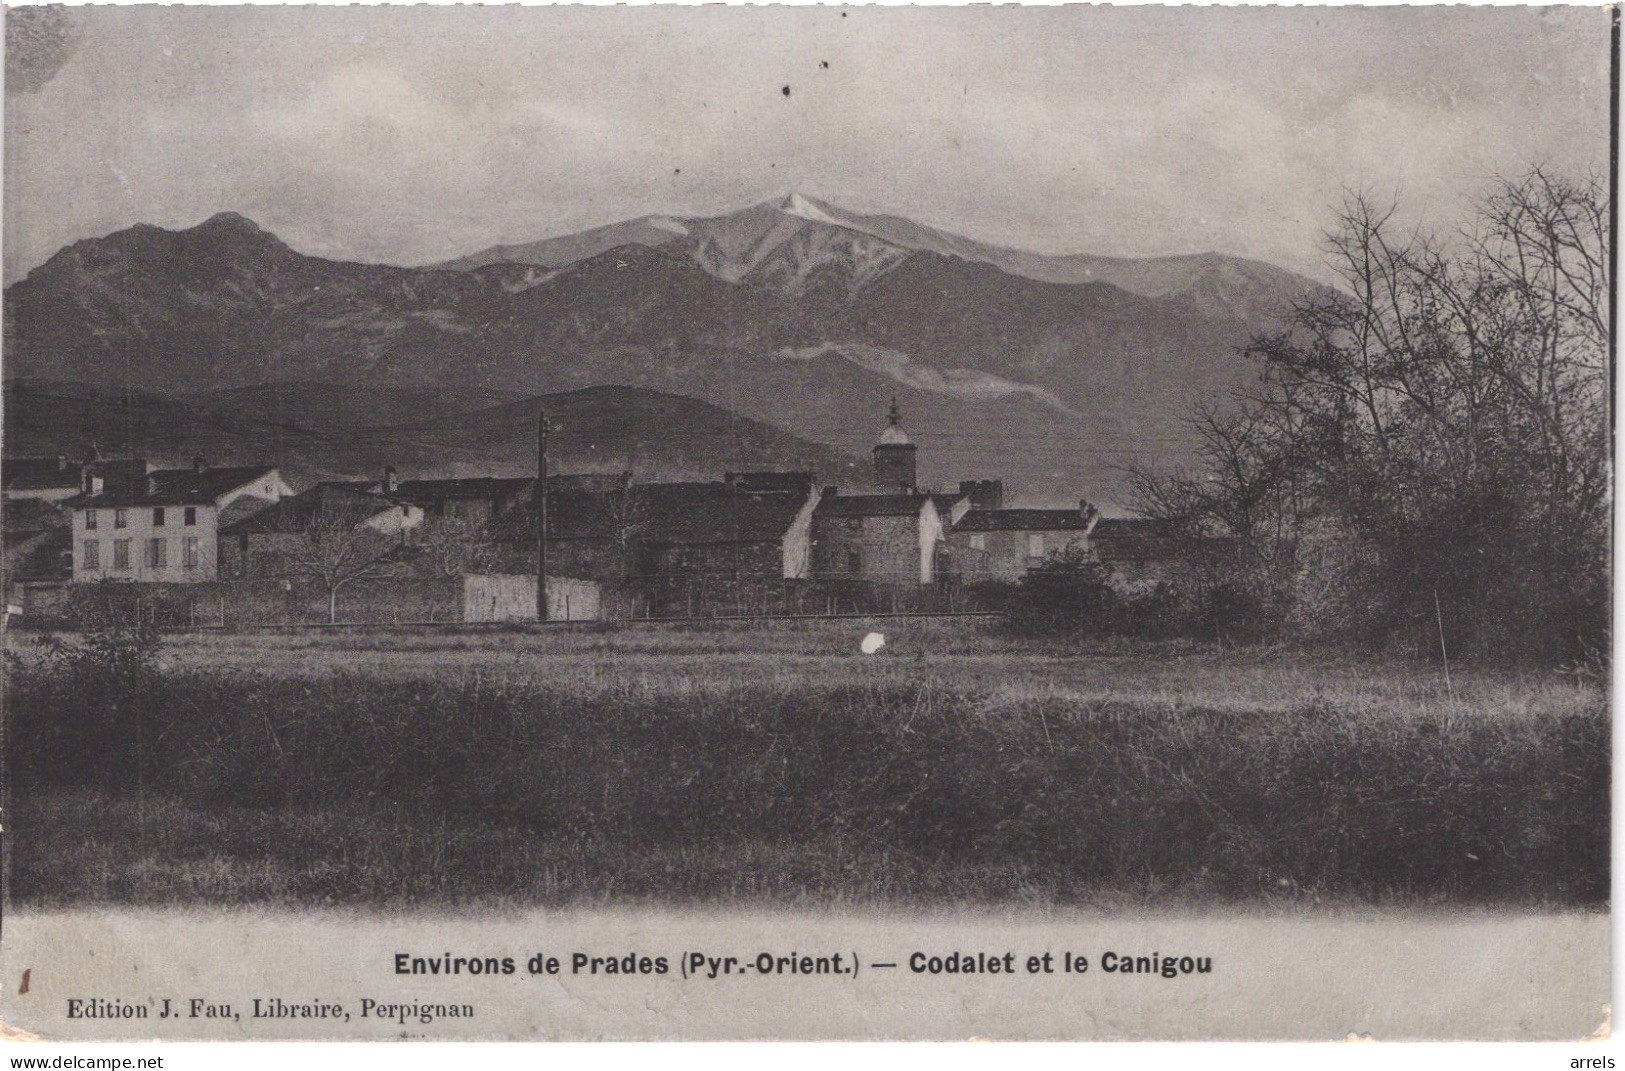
91	559
191	516
91	520
978	541
121	554
189	556
1035	544
854	562
157	516
121	518
157	553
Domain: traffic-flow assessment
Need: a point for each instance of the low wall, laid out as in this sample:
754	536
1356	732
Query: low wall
236	604
571	600
512	597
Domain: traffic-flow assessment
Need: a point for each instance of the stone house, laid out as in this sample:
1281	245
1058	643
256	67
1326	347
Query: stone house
593	523
1003	544
475	501
755	525
891	539
1138	548
256	545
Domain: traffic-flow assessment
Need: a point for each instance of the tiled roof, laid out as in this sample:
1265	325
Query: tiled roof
39	473
54	473
872	505
479	487
1131	528
573	513
1132	539
665	513
714	513
175	487
598	483
351	501
1022	520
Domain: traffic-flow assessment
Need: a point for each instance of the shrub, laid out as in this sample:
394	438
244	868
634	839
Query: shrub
110	607
84	710
1067	593
1153	611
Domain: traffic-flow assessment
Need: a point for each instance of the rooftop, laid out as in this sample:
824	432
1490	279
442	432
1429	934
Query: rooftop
175	487
39	473
1132	528
478	487
747	508
717	513
1132	539
55	473
1023	520
355	501
894	435
872	505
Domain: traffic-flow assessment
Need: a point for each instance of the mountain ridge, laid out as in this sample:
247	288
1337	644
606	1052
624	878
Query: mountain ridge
1200	274
1049	384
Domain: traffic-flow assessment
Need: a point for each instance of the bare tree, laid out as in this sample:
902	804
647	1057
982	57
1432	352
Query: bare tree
1442	412
335	549
456	546
624	508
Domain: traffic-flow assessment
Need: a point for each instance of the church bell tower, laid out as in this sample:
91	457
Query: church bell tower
894	456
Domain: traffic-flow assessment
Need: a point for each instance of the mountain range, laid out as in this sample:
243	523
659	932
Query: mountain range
792	315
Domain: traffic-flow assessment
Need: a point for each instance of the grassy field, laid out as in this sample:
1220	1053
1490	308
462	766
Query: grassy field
780	765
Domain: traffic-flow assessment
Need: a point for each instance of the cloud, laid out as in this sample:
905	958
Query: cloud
964	383
418	134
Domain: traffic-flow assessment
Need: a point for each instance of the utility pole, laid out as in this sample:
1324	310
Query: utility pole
541	517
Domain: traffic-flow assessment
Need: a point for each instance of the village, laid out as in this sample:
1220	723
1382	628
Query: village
223	545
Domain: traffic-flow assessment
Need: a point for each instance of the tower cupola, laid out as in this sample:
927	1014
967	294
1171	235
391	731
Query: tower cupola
894	455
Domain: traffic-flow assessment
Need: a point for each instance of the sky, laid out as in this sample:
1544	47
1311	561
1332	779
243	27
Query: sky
414	135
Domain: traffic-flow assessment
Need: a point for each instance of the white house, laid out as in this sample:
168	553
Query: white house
164	527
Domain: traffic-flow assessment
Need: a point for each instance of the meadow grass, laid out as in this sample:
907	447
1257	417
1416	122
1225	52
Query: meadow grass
714	765
957	653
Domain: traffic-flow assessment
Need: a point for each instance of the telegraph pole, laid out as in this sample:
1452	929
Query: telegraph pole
541	517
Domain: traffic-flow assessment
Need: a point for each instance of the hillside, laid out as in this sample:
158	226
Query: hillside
328	407
613	429
656	435
790	313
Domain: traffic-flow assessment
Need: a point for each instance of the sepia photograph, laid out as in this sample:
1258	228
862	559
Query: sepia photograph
807	523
